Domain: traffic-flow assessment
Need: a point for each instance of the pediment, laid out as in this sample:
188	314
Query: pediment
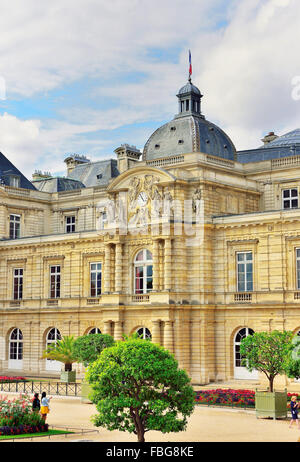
134	177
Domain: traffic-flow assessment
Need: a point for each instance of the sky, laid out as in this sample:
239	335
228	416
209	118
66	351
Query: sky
85	76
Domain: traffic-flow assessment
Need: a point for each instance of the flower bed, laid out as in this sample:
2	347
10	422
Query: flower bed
6	379
17	414
230	397
23	429
226	397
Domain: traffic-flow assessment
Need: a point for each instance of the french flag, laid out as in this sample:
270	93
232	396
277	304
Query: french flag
190	61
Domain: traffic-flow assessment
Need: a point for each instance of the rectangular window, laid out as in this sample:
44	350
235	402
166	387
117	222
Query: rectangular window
14	226
290	198
18	284
55	281
95	278
298	267
70	224
244	272
187	105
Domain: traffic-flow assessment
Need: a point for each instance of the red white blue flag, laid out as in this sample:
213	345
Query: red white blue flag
190	61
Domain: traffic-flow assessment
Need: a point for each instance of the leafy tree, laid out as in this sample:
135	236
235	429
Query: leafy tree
267	352
87	348
138	387
293	363
62	351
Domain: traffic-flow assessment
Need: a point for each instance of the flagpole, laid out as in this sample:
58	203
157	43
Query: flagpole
190	66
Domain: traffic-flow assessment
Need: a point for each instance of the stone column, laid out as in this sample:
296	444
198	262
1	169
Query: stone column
169	336
155	266
168	265
107	266
156	337
118	268
118	330
107	327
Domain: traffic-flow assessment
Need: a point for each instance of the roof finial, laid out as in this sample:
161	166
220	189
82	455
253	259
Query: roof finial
190	67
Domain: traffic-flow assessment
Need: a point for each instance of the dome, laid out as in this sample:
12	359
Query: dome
289	139
189	134
189	88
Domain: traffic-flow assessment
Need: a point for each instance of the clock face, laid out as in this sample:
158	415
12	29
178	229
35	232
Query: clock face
142	198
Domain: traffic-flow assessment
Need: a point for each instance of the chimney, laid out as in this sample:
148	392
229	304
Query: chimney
269	137
38	175
73	160
128	156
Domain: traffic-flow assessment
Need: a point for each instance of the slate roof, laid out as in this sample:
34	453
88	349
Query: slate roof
95	173
7	169
188	134
57	184
283	146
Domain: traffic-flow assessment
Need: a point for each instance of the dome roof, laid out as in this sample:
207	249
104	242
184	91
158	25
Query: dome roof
189	88
186	135
289	139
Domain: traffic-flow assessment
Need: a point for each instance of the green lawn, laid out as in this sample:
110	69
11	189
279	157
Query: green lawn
33	435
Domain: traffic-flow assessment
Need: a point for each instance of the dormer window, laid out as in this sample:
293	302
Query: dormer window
14	181
173	129
99	176
180	141
157	146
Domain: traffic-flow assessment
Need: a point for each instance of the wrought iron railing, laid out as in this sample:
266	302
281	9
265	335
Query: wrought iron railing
51	388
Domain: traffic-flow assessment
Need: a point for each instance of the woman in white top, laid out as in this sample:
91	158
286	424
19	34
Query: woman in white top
45	406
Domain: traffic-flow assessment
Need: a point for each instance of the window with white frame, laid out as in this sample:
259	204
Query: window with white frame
16	345
95	278
290	198
14	226
244	271
55	280
243	333
18	283
144	333
94	330
70	224
143	272
298	267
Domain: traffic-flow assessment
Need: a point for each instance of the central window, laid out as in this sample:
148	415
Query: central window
143	272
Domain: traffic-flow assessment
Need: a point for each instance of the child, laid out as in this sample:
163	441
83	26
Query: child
45	406
294	410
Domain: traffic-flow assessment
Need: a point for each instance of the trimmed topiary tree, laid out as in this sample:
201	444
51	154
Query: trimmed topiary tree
87	348
138	387
267	352
293	364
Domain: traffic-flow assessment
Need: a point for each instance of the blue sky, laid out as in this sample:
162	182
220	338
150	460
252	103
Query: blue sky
84	77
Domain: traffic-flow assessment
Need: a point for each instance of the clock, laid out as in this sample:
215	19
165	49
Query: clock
142	198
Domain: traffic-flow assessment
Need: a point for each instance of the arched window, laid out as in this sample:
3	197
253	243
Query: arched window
52	337
94	330
15	348
143	272
144	333
240	371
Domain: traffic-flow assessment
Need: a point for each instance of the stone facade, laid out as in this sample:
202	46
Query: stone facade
194	308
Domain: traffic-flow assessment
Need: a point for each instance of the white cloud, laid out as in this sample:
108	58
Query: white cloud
245	69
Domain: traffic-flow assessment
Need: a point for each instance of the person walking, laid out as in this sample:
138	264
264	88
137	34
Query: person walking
45	405
36	404
294	410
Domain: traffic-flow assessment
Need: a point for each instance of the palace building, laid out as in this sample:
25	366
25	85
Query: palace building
67	266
